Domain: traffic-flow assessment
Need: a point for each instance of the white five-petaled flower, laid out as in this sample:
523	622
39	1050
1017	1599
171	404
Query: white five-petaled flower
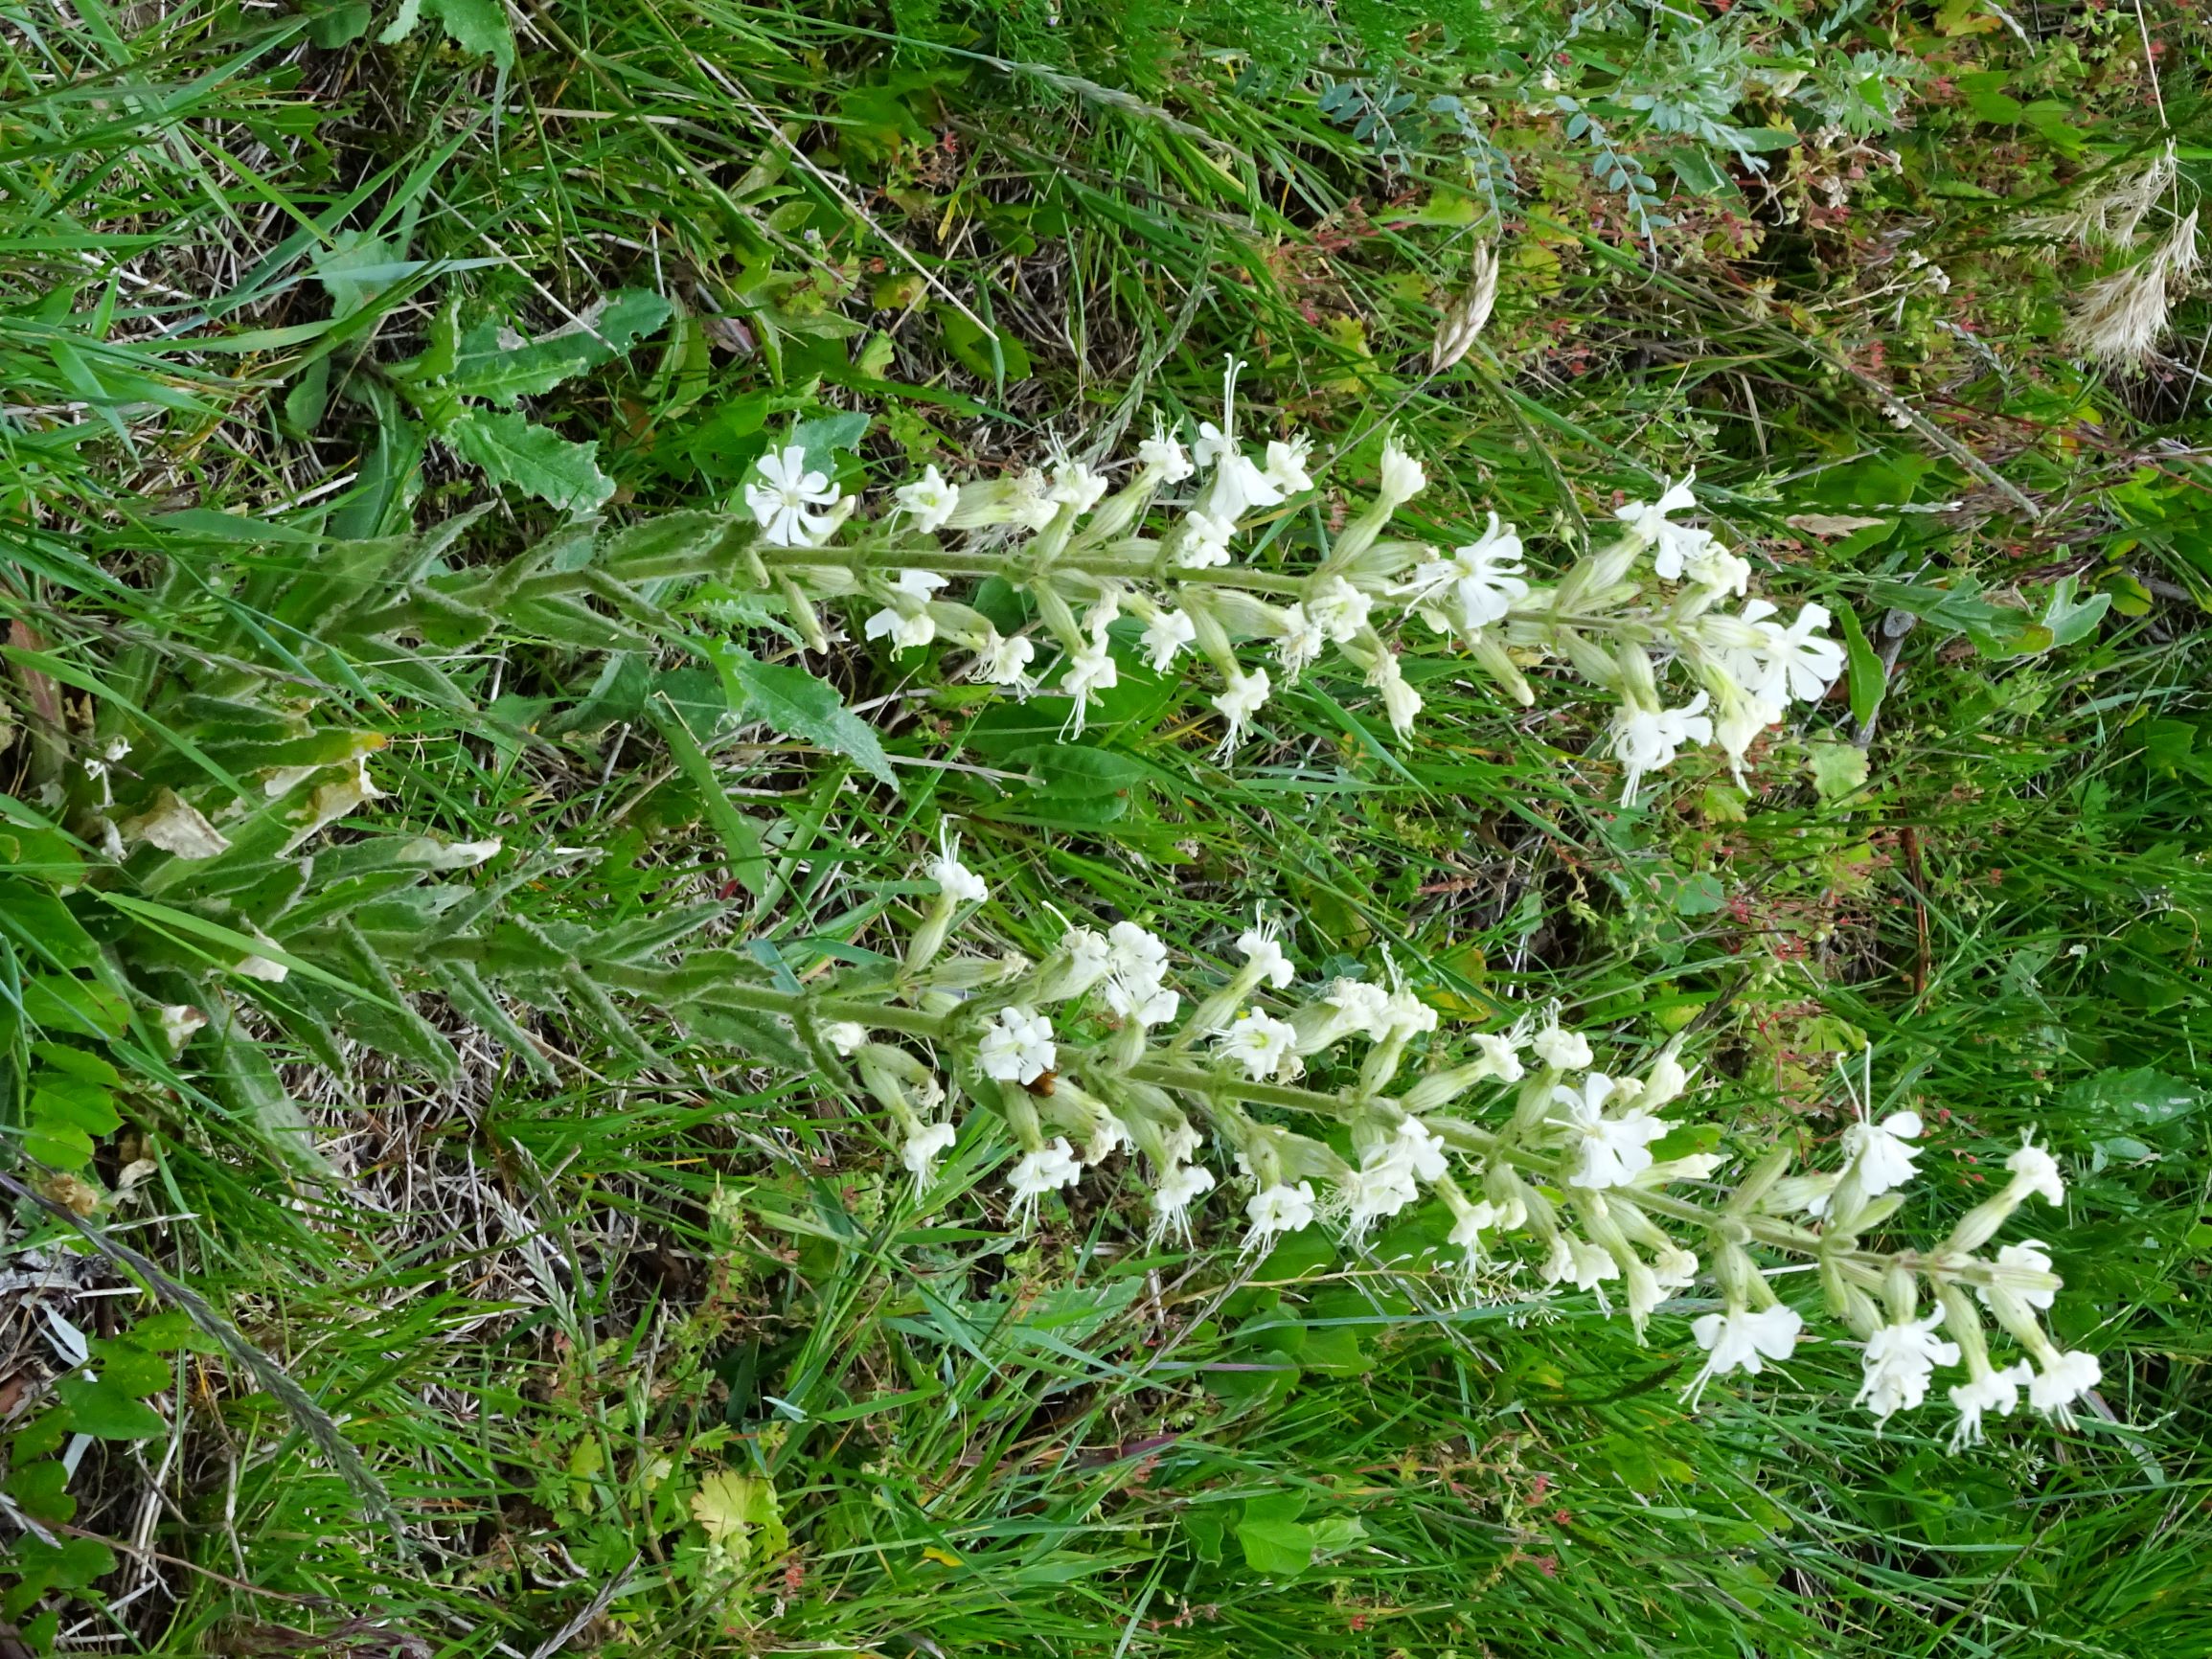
929	498
1470	1224
2026	1257
1500	1053
1017	1046
1380	1187
1898	1360
1263	956
1714	568
1361	1007
1561	1048
1884	1157
1673	544
2062	1379
2034	1171
1005	662
1402	478
926	1144
1300	643
1401	702
1613	1152
1417	1146
1476	587
779	502
1075	484
1789	663
1997	1391
1278	1210
1090	956
1090	669
1205	541
1136	969
1742	1340
1261	1043
1166	634
1036	1173
1648	739
845	1036
1286	470
907	619
1245	696
1181	1185
1338	608
954	880
1163	453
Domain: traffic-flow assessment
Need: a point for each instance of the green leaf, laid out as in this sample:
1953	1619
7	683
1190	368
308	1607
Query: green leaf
128	1367
1283	1549
107	1411
741	838
490	364
74	1102
1838	768
477	26
795	703
355	268
740	1515
534	458
1863	673
822	436
2069	621
998	357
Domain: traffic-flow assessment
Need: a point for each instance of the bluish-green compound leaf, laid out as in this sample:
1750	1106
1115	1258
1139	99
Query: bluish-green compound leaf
536	461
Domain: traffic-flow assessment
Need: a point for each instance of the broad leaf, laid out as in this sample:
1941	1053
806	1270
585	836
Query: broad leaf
795	703
534	460
492	364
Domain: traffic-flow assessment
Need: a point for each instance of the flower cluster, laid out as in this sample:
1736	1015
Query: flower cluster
1091	1057
1163	558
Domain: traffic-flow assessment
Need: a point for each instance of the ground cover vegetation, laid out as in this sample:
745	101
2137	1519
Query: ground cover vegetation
987	827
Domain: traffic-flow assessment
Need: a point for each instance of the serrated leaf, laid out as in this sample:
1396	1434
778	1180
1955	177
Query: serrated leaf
534	460
492	364
796	704
1838	768
740	1516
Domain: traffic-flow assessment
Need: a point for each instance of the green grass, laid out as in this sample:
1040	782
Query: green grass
544	1300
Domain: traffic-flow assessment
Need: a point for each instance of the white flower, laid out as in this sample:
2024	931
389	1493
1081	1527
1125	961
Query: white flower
954	880
905	620
1089	960
1031	504
1285	471
926	1144
1205	541
1898	1360
1075	484
1163	453
1263	956
1361	1007
1108	1134
1476	587
1276	1210
1136	965
1036	1173
1674	1268
929	498
1260	1042
1648	739
1181	1143
1742	1340
1180	1187
1166	634
1673	543
1401	702
1501	1053
779	503
1613	1150
1883	1158
1714	568
1005	662
2064	1378
1419	1149
2034	1171
1793	662
1240	484
1300	643
1588	1266
1243	697
1090	669
1997	1391
1402	478
1468	1229
2031	1257
1381	1188
1338	610
845	1035
1213	443
1406	1016
1741	716
1561	1050
1017	1046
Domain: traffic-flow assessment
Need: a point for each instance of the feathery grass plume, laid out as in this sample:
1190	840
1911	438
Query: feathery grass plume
2111	214
2120	320
1463	323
